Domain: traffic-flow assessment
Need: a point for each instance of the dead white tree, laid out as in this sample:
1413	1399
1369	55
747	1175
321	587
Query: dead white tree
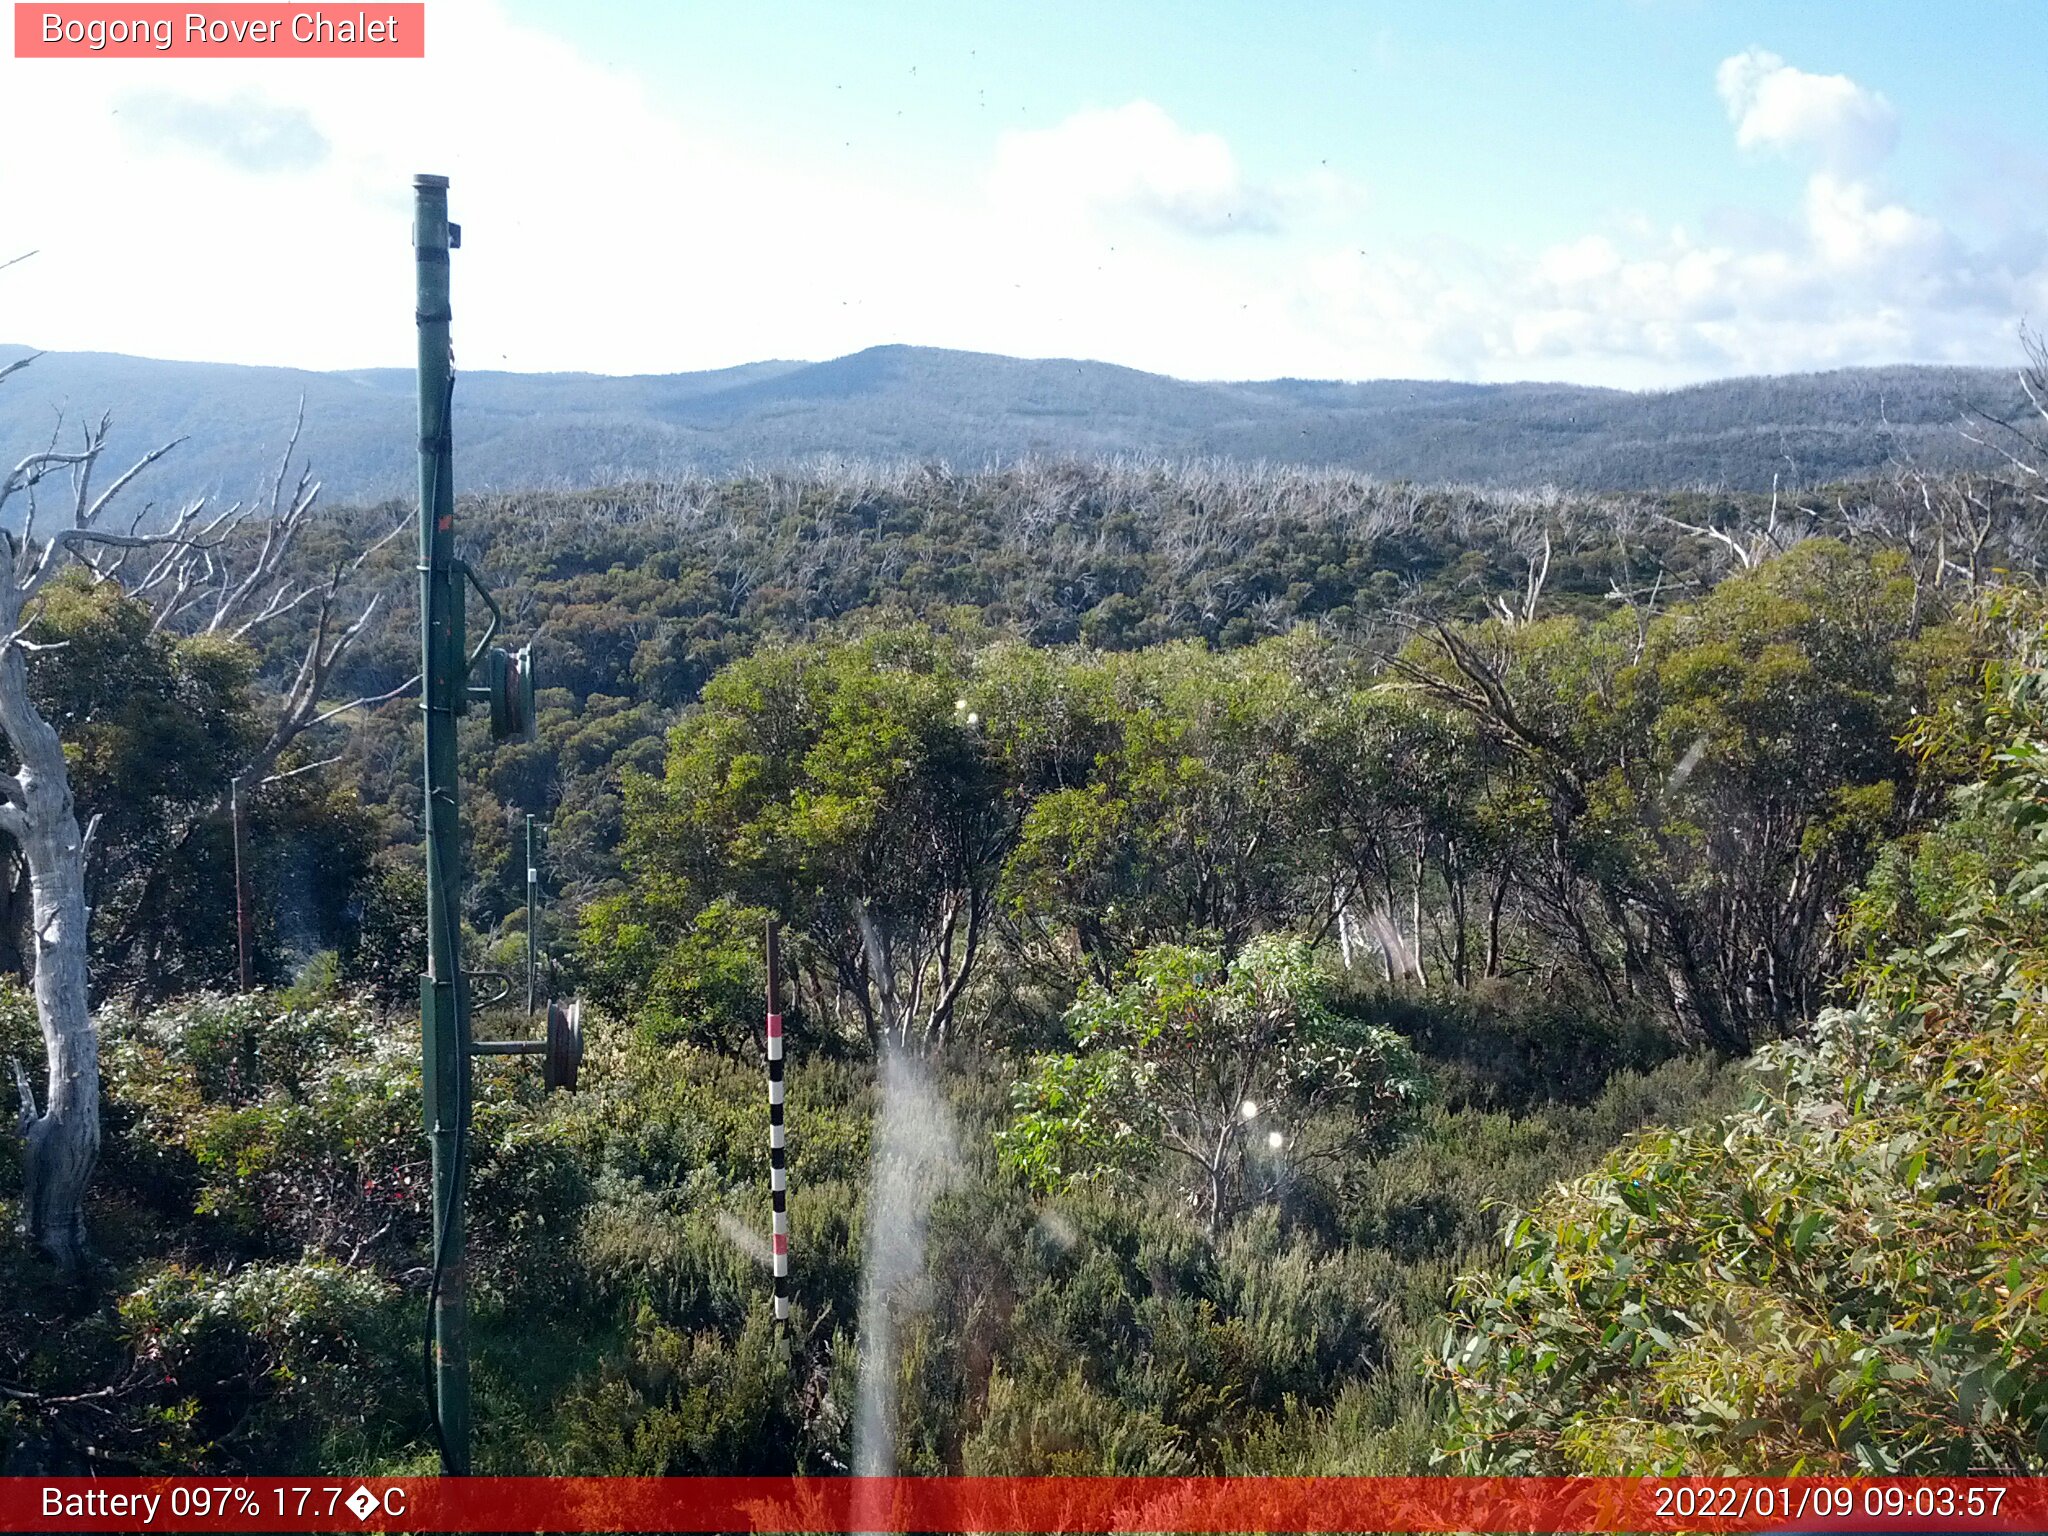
1751	547
189	567
62	1137
1532	542
211	577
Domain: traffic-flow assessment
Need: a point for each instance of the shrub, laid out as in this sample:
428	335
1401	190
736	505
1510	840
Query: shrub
283	1366
298	1127
1069	1429
1503	1045
687	1403
1222	1070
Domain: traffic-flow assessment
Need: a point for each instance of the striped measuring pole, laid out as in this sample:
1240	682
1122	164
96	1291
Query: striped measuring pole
778	1167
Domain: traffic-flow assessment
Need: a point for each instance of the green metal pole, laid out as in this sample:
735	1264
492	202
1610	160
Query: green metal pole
444	1014
532	913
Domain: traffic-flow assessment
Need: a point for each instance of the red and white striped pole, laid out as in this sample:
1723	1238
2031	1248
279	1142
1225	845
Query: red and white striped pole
778	1169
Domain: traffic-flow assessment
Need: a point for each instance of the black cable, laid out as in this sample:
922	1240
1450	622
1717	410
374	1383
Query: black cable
456	1168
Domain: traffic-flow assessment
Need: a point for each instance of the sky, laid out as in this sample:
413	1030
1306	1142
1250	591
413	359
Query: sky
1635	193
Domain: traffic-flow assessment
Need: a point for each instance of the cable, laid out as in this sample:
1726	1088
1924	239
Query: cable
456	1169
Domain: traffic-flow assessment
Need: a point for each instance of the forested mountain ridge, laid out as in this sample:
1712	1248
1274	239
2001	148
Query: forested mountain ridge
969	409
1465	833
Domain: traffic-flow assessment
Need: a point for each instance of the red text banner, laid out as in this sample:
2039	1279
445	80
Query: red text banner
235	31
1050	1504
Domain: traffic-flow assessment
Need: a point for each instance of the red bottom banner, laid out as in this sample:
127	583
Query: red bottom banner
1025	1504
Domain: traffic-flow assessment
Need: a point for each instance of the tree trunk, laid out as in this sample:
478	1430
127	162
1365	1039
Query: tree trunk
36	810
1500	897
1460	962
63	1140
1415	922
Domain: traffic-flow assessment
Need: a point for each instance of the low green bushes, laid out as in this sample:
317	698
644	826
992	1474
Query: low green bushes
264	1239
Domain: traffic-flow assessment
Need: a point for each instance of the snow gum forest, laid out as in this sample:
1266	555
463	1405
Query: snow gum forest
1285	972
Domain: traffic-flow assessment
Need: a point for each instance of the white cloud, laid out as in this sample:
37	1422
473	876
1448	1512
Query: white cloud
1586	259
1857	276
1130	159
245	131
260	215
1851	227
601	232
1775	106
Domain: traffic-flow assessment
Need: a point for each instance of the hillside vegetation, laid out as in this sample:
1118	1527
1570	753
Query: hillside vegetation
1254	890
972	409
1848	1275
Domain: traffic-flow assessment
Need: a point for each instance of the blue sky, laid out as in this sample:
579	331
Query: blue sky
1631	192
1525	122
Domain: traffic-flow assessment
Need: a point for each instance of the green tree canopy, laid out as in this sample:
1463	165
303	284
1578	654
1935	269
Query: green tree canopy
155	726
1221	1069
1848	1275
1713	781
1190	826
852	788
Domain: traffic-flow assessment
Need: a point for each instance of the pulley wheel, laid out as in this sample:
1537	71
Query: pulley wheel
565	1045
511	686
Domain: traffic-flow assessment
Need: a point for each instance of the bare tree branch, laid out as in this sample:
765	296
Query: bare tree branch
91	514
366	703
293	773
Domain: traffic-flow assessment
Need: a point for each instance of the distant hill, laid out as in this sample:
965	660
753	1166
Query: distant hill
571	429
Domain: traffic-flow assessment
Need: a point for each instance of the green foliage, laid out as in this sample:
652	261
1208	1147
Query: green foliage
1136	1346
1079	1117
848	788
21	1040
1049	759
1846	1275
621	1291
1688	802
706	986
298	1128
648	591
1069	1429
1501	1044
1234	1067
1189	825
687	1404
148	718
234	1049
385	951
318	981
1661	817
155	724
251	1359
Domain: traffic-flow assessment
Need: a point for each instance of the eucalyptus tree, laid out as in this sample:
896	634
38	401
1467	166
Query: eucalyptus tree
854	789
38	812
1194	823
226	578
1843	1275
220	570
1710	786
